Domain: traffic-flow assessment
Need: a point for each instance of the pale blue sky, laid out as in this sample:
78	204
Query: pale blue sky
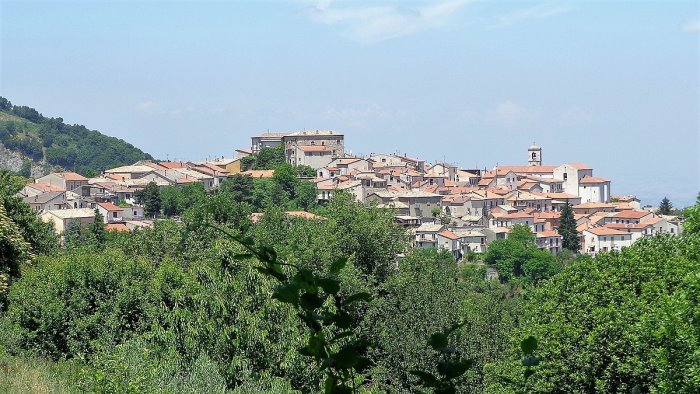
612	84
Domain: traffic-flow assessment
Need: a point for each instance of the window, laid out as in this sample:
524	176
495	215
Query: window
565	175
114	214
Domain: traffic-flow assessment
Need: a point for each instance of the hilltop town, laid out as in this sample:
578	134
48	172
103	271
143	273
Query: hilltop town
442	205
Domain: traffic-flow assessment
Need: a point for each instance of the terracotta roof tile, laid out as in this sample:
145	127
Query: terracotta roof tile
605	231
314	148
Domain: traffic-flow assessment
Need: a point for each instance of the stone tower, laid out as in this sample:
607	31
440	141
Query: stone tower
534	155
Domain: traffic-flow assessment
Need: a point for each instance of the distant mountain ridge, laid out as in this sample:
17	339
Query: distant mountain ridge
38	144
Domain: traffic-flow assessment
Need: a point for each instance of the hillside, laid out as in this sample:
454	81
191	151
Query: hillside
33	143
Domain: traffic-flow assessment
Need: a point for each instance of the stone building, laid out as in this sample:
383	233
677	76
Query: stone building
326	143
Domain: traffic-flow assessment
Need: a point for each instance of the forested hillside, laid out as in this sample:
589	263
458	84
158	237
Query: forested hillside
71	147
217	303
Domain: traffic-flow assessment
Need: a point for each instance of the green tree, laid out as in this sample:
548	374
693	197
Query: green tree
422	297
171	199
285	177
97	230
567	229
5	104
26	170
519	256
368	234
269	158
73	235
239	187
305	192
665	207
38	233
305	171
149	197
15	252
615	322
691	224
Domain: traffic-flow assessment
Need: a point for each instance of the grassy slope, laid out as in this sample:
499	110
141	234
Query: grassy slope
30	126
25	375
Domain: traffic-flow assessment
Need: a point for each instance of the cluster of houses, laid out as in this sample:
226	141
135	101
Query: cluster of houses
442	205
63	197
463	210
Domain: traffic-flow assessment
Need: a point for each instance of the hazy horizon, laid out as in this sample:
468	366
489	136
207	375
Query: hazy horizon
613	85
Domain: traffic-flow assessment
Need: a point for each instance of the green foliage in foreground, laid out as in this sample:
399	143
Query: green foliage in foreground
172	309
616	322
332	344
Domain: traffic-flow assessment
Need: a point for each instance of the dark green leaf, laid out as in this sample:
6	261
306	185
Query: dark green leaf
528	345
342	389
454	369
426	379
310	301
270	272
288	293
342	320
268	254
528	373
347	357
310	322
438	341
446	390
315	345
363	363
330	286
338	265
359	297
242	256
248	241
329	385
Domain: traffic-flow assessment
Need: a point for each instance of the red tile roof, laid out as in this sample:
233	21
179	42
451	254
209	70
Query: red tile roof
314	148
518	215
580	166
117	227
45	187
629	214
449	234
259	173
588	205
109	206
605	231
71	176
592	179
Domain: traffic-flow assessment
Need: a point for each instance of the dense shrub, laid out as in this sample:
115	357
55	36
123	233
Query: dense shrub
616	322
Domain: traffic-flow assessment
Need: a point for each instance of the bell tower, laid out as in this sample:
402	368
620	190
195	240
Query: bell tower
534	155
